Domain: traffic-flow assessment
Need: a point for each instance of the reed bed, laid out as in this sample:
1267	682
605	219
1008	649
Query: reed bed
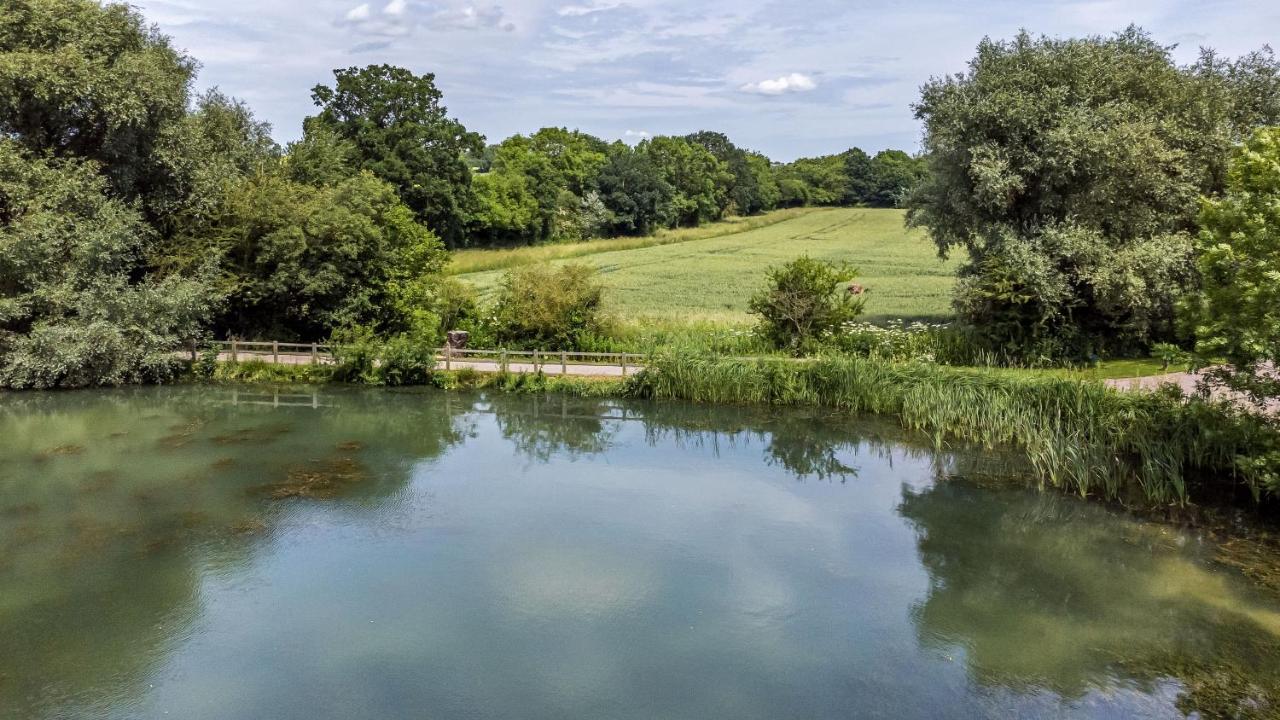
1156	448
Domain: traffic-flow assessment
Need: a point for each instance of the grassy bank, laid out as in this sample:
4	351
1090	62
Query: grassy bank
1152	448
710	279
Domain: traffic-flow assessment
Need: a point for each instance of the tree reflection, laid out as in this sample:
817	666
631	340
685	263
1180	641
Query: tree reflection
1036	590
114	504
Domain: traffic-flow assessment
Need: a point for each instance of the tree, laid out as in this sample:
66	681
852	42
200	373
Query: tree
70	313
814	181
804	300
403	135
298	261
893	174
747	189
79	79
637	198
699	181
548	308
1236	314
858	176
1066	149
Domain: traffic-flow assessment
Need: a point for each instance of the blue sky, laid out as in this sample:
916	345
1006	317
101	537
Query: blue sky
787	77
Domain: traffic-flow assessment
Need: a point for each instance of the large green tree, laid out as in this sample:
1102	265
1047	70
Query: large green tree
80	79
1070	171
699	181
403	134
297	261
636	196
71	311
1237	316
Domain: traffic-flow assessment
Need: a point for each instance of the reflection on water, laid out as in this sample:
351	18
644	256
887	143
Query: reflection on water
241	553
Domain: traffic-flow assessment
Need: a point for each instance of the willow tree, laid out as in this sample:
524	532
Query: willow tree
1070	172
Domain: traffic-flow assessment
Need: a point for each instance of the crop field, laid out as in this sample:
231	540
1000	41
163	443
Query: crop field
711	279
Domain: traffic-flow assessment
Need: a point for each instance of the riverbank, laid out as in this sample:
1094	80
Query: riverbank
1149	449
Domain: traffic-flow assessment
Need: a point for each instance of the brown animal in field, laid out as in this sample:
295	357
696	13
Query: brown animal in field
856	289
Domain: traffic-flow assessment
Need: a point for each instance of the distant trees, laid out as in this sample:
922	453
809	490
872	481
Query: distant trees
546	307
1070	172
1235	316
403	135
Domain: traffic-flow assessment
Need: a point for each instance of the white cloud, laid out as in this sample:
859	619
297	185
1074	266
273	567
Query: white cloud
580	10
400	18
793	83
637	134
358	13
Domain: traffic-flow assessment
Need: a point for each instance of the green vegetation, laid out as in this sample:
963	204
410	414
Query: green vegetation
463	262
803	301
1156	448
712	279
1236	315
1070	171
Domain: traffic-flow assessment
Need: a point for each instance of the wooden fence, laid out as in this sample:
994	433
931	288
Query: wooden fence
503	360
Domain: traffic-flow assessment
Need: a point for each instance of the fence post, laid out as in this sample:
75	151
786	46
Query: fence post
502	360
624	364
448	357
315	354
275	351
234	356
564	362
536	367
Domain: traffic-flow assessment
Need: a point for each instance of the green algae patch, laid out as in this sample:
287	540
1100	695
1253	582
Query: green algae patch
317	480
263	435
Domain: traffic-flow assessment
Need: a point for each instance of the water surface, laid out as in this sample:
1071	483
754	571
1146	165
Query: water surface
239	553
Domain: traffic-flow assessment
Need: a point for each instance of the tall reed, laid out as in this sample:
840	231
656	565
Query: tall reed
1078	435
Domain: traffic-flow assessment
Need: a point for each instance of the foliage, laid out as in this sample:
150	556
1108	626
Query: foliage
1155	448
548	308
1236	315
1062	166
805	299
70	314
639	201
403	135
363	355
699	182
80	79
297	260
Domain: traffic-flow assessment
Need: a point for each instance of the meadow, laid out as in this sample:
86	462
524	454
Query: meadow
709	275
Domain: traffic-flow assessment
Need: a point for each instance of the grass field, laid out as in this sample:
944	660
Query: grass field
710	279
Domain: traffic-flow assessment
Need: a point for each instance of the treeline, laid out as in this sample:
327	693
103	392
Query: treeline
136	217
559	184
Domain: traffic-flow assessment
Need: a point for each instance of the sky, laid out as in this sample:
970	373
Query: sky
790	78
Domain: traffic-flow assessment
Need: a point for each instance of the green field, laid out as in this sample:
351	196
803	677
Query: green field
711	279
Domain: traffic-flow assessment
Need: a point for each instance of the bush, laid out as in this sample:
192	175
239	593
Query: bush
803	302
547	308
361	356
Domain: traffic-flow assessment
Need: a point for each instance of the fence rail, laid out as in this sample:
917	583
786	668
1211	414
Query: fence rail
538	360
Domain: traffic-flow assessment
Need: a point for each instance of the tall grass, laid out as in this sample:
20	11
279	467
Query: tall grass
1079	436
480	260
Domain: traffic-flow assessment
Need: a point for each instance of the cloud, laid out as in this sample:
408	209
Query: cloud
587	9
399	18
637	134
793	83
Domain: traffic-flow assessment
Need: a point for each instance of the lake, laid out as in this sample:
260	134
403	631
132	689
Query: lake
244	553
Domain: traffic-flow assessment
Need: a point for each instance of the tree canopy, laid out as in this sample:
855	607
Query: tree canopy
403	134
1070	171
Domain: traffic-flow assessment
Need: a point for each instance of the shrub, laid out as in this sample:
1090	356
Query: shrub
804	301
548	308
